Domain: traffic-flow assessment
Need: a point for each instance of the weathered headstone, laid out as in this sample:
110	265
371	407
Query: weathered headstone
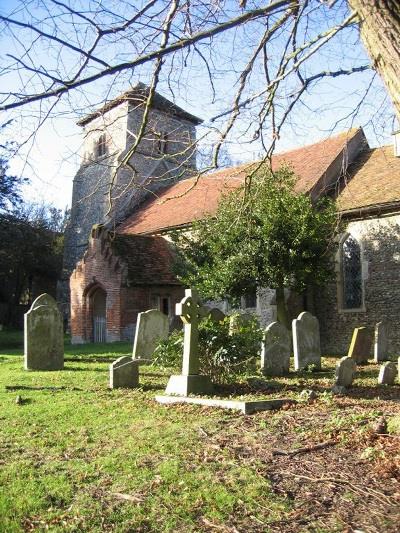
275	350
306	341
124	373
239	320
151	328
360	346
216	315
387	373
345	372
191	312
380	342
43	335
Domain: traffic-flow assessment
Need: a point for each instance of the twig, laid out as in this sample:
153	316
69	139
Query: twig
306	449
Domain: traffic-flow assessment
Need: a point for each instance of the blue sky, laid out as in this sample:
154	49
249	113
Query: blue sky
50	158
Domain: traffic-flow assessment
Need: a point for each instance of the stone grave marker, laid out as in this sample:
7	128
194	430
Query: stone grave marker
306	341
43	335
238	320
381	342
216	315
387	373
191	312
151	328
275	350
124	373
360	346
345	371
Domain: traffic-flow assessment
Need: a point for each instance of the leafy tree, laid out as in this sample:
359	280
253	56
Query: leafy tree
265	235
31	246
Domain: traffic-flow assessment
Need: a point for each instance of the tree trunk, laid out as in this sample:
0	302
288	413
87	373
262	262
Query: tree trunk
380	33
281	309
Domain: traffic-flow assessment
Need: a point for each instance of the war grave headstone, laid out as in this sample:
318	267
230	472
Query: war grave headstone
360	346
387	373
190	381
43	335
124	373
381	342
152	327
275	350
306	341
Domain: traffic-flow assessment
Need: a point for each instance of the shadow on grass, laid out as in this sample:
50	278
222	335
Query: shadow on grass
26	387
85	369
92	359
381	392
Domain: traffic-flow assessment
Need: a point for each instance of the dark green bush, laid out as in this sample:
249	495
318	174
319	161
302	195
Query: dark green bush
222	356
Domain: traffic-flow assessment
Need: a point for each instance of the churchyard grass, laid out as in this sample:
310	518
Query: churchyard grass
75	456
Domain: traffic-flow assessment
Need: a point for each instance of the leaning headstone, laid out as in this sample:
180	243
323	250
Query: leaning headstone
380	342
151	328
360	346
275	350
43	335
387	373
216	315
191	312
345	372
239	320
124	373
306	341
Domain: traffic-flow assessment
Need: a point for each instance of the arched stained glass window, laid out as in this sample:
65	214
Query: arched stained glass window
352	274
101	146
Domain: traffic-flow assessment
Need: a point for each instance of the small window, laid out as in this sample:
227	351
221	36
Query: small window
162	143
352	296
164	305
101	146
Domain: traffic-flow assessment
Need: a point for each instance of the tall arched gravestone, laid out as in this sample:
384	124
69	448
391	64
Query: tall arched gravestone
151	328
275	350
306	341
43	335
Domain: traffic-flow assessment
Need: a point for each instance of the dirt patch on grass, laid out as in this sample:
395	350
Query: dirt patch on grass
351	482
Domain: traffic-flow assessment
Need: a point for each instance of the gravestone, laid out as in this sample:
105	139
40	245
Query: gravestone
275	350
191	312
239	320
345	372
216	315
380	342
387	373
306	341
151	328
124	373
43	335
360	346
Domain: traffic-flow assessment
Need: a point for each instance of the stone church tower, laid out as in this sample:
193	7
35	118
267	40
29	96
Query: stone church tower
111	182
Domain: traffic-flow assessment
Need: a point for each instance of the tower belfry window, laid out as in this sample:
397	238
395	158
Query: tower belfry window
101	145
162	142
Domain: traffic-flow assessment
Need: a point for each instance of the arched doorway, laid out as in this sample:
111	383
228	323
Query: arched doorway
98	305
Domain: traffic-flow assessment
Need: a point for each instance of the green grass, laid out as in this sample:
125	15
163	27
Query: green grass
72	447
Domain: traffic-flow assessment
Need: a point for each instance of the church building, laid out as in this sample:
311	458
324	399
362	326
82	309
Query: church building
125	204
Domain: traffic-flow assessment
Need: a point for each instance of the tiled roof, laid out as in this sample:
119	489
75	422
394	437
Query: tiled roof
192	199
149	259
374	179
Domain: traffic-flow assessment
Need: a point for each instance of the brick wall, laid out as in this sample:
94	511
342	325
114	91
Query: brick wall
100	269
380	244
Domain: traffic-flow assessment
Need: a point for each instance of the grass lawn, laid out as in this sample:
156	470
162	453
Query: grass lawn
75	456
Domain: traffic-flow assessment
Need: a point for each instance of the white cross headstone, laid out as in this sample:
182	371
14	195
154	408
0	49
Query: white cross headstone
191	312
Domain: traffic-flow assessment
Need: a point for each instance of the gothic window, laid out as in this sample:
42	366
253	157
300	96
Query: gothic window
351	274
101	146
